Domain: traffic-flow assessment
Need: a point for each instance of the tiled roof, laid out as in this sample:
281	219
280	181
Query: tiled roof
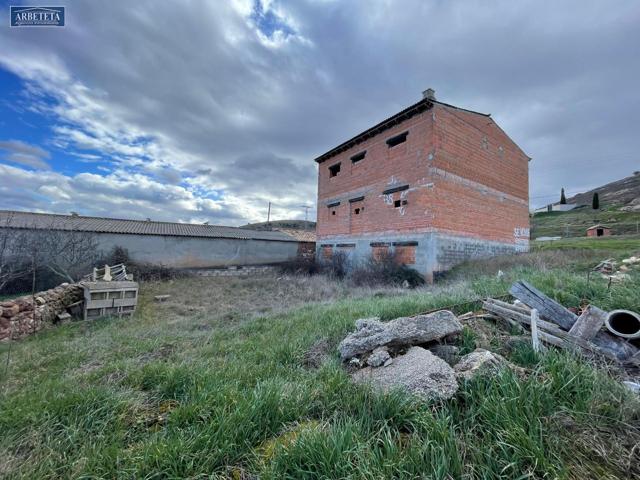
300	235
30	220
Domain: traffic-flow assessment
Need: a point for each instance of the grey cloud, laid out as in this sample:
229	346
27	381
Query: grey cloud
221	109
25	154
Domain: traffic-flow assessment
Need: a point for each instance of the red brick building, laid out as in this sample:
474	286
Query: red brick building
436	184
598	231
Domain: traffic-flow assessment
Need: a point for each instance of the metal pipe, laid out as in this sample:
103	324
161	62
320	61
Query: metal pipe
623	323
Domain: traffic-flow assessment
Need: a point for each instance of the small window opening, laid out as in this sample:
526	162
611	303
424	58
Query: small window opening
358	210
333	212
399	203
334	170
358	156
397	140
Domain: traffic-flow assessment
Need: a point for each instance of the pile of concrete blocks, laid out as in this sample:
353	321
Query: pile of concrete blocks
109	298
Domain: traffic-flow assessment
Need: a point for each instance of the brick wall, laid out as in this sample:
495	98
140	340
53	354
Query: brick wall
457	174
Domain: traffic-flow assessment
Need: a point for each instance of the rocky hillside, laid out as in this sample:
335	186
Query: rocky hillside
624	192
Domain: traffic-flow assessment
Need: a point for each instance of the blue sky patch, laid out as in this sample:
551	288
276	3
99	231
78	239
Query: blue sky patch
268	22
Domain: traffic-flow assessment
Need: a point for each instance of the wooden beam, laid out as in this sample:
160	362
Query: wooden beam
547	308
589	323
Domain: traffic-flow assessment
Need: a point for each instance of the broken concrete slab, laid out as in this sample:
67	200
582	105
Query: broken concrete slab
418	372
449	353
379	357
480	362
63	317
404	331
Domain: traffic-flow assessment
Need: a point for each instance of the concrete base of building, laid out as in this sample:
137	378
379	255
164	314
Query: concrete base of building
430	253
235	271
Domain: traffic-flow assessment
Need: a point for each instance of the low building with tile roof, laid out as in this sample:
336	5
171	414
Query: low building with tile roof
176	245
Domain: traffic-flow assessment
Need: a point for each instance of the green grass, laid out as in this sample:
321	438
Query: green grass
168	396
574	223
627	243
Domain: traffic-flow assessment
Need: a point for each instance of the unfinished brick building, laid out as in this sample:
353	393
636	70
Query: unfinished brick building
436	184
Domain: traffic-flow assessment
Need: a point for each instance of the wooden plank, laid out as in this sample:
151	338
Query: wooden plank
534	331
547	308
604	344
547	329
589	323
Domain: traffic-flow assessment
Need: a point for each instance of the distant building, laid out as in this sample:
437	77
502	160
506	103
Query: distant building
177	245
598	231
556	207
434	183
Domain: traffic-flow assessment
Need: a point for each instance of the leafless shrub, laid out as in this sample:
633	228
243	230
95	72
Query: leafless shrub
336	266
8	263
385	269
301	266
144	271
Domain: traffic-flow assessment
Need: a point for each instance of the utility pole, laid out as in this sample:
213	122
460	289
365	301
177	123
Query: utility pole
306	212
269	213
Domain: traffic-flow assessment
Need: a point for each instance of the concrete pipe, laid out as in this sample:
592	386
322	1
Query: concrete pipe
623	323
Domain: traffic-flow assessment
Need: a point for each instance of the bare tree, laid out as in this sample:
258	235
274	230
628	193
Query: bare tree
9	266
70	253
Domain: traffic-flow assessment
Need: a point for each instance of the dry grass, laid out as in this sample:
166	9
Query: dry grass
232	299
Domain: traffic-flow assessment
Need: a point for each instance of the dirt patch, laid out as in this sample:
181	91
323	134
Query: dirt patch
161	353
317	354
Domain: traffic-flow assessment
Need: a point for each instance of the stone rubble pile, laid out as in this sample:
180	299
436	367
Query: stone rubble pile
610	269
407	354
25	315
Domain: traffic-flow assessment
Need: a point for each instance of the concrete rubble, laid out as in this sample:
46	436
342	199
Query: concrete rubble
380	356
404	354
480	362
417	372
402	332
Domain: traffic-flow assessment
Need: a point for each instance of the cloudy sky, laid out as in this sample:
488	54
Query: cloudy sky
207	110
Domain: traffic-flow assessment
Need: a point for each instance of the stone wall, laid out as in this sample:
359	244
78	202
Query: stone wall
20	316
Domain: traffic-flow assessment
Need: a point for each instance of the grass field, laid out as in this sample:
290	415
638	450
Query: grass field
213	384
575	222
614	244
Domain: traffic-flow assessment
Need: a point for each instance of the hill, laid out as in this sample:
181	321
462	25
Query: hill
620	210
292	224
575	222
624	193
